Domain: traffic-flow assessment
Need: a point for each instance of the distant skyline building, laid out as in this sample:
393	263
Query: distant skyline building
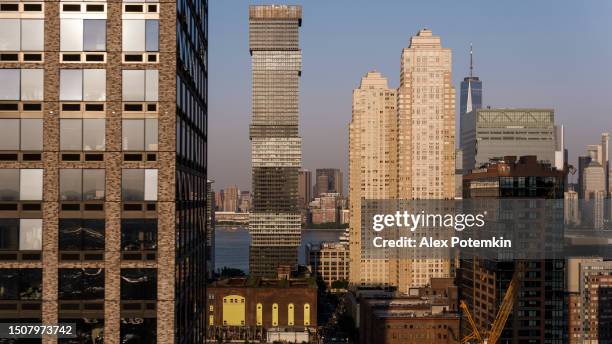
471	90
230	198
276	153
328	180
494	133
305	187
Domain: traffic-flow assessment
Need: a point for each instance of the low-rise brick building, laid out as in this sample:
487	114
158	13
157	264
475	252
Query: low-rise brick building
247	308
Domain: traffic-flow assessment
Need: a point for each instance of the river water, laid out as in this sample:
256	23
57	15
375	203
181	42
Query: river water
232	245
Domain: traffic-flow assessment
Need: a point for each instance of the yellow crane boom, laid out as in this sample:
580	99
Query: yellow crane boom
492	336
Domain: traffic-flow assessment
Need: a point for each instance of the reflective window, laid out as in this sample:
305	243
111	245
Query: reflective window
9	134
138	330
138	234
83	34
151	85
140	134
94	34
30	234
10	35
71	184
9	87
71	134
31	184
140	35
94	134
31	134
32	34
20	284
83	84
71	35
9	234
88	331
133	35
94	85
81	184
150	192
9	184
140	85
82	134
32	84
138	284
93	184
81	234
81	284
71	84
139	184
152	35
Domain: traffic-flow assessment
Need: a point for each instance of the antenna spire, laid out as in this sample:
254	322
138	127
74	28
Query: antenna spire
471	61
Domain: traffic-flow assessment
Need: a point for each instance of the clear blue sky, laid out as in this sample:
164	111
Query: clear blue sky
543	53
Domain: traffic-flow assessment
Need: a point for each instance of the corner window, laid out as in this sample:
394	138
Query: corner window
83	34
22	34
21	134
21	84
81	184
139	185
140	134
138	284
81	284
83	85
20	234
140	85
140	35
20	284
138	234
81	234
82	134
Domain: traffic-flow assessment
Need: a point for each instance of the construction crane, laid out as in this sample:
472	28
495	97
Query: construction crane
492	335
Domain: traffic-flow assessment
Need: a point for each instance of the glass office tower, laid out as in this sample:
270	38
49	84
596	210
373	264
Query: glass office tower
103	120
471	91
275	221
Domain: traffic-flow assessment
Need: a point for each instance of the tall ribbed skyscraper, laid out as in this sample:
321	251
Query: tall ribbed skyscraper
471	91
426	139
372	170
276	57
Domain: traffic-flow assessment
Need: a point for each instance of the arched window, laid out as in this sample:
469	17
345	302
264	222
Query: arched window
290	315
259	314
306	314
275	314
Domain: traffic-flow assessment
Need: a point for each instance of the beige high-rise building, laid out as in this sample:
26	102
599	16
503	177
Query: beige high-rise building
426	138
372	166
403	150
426	120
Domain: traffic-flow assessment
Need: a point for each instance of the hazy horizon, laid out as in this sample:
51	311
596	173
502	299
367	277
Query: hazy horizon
546	54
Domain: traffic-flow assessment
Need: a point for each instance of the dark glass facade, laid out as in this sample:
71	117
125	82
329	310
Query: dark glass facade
191	170
474	84
538	314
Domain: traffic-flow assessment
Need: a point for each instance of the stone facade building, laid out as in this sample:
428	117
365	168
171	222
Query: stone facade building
103	112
